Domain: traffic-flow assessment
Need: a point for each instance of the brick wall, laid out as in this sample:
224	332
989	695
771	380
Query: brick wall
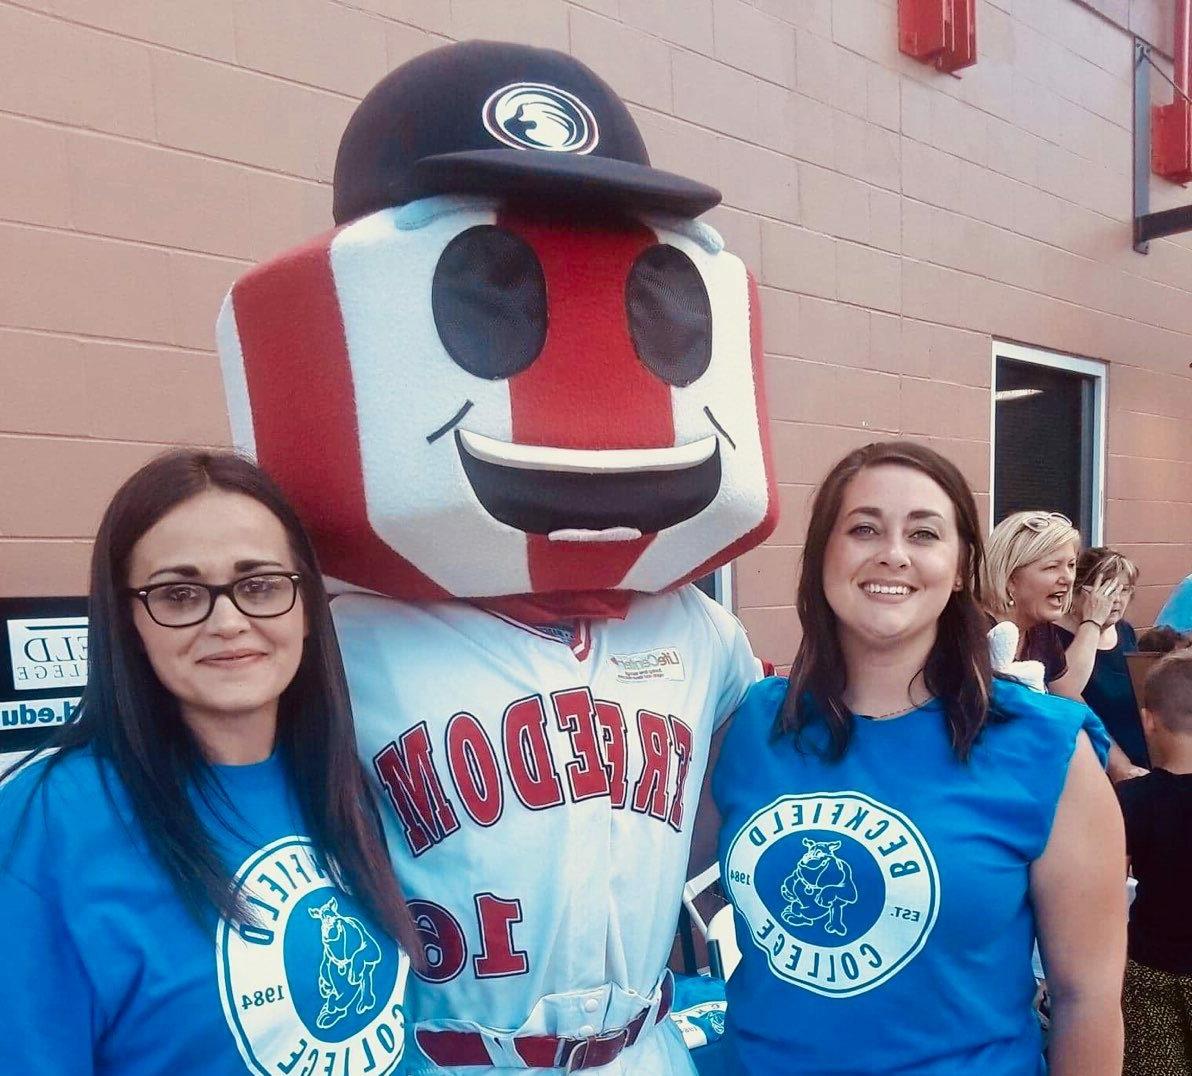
897	220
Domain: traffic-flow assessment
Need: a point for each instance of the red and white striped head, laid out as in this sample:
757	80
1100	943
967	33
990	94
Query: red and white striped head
467	399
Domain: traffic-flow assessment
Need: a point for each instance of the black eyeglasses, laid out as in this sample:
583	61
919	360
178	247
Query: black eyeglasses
182	605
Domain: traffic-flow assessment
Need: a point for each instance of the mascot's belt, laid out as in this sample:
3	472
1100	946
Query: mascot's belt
461	1048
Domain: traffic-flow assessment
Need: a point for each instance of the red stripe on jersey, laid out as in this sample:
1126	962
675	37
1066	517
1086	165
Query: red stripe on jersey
587	388
581	645
304	414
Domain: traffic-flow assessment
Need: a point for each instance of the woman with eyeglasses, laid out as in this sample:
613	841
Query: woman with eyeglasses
1101	660
1030	566
897	823
195	881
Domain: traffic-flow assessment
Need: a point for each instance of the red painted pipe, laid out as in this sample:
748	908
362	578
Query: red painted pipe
1183	37
1171	125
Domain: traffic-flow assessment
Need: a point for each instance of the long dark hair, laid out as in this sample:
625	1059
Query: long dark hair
957	671
134	725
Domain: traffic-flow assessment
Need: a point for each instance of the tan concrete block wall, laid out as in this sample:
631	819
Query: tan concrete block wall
897	220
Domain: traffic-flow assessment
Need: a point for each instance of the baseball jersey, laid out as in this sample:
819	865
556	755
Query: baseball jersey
883	900
103	971
539	788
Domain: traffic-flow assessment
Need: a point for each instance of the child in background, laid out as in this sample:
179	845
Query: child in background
1162	640
1157	997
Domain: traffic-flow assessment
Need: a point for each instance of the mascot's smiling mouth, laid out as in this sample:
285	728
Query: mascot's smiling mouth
590	495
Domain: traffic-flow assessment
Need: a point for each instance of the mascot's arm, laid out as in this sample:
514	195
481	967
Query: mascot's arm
739	668
829	885
838	885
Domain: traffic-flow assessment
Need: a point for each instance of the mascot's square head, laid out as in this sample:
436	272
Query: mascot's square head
519	365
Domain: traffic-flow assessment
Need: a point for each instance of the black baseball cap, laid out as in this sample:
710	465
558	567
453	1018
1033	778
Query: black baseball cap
487	117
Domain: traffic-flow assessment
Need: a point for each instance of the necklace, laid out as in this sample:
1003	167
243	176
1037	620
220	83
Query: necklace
895	713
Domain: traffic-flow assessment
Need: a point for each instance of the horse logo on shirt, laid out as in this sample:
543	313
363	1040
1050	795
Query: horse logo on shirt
350	953
820	885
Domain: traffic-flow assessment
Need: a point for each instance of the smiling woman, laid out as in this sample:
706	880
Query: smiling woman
886	858
207	804
225	662
1030	563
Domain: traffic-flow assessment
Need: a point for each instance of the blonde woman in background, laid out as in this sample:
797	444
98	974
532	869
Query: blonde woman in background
1030	568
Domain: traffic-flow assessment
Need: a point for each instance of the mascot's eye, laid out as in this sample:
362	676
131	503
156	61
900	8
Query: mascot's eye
670	316
489	302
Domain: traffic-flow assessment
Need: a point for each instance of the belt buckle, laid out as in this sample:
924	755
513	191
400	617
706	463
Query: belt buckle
577	1057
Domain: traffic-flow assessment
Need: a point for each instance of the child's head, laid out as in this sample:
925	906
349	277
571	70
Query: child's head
1167	702
1162	640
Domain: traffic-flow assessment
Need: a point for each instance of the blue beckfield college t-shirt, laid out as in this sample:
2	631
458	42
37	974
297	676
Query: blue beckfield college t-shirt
103	971
882	901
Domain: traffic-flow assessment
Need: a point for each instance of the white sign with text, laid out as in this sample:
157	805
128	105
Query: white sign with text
48	652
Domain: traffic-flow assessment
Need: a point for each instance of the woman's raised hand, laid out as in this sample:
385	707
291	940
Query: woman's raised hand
1096	600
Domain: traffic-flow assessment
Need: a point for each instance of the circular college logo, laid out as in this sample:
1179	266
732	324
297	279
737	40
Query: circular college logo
840	892
309	982
533	115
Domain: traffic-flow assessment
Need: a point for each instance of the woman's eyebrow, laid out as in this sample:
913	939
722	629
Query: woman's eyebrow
918	513
250	565
189	571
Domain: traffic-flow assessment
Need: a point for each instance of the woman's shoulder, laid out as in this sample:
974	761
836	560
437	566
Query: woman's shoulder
1010	699
53	777
1042	724
761	704
750	732
55	803
749	742
73	774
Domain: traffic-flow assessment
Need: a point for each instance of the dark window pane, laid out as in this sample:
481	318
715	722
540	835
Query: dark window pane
707	583
1043	442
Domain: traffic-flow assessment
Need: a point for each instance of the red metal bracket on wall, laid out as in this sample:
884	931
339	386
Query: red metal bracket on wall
1171	136
939	32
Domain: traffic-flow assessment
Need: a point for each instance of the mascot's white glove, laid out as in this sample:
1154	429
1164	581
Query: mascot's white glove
1003	645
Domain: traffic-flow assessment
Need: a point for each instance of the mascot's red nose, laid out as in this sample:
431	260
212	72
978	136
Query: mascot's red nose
587	388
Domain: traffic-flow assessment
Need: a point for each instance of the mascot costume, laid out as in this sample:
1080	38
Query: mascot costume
516	395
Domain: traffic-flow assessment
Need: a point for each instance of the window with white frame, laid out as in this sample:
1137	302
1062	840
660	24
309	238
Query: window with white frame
718	585
1048	436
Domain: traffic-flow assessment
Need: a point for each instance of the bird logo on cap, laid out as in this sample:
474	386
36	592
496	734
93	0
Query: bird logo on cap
533	115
